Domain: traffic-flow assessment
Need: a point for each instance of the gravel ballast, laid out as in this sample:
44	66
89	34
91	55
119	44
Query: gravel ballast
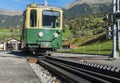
43	74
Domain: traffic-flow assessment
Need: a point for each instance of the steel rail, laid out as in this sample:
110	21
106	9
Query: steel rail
99	68
70	78
79	73
75	72
94	76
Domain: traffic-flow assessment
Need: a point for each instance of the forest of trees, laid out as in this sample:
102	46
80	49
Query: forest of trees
85	25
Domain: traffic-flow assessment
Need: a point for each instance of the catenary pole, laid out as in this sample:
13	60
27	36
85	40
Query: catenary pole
114	50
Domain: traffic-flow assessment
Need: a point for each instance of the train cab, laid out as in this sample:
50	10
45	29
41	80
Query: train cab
42	27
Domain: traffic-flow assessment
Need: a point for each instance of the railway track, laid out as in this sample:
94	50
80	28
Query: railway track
81	72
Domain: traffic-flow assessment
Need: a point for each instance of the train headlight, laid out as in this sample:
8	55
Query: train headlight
56	35
40	34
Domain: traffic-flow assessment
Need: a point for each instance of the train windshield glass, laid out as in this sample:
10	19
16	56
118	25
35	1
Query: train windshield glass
51	19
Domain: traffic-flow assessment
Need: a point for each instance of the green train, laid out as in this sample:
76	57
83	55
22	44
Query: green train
42	31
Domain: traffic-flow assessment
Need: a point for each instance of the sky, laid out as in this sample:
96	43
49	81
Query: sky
21	4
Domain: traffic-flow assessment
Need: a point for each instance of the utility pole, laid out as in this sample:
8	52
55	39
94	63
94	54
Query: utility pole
115	26
118	23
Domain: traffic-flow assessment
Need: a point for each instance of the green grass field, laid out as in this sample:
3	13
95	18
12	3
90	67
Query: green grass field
9	33
96	44
97	48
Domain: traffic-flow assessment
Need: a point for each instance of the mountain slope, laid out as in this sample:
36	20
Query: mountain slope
78	2
86	7
10	12
11	21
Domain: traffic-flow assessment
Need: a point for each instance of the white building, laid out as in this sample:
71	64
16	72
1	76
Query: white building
11	44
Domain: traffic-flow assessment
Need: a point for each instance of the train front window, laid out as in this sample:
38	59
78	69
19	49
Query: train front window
33	18
50	19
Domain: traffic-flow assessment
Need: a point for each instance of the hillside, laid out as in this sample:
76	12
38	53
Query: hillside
10	18
11	21
86	7
92	2
85	26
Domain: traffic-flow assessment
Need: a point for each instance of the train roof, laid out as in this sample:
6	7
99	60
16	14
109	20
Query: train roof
42	6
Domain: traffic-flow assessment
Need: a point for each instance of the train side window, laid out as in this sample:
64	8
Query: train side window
33	18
